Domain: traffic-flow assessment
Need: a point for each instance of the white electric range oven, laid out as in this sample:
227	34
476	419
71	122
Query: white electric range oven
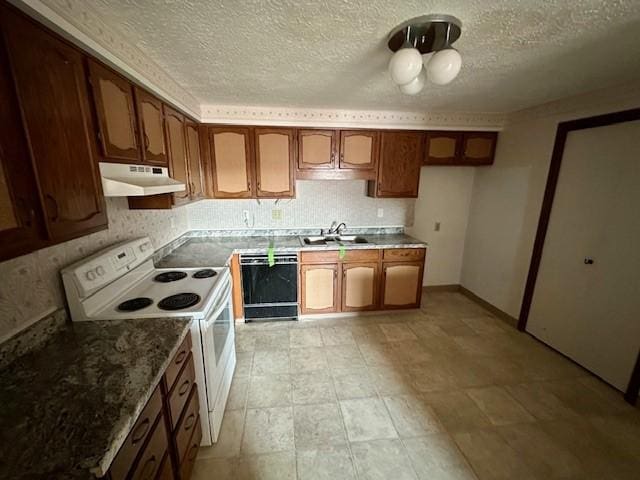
122	282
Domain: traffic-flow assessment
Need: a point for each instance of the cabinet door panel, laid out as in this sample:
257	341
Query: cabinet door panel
195	161
231	160
175	128
442	148
359	286
274	162
358	149
400	160
402	284
150	117
319	288
51	83
316	149
115	112
478	148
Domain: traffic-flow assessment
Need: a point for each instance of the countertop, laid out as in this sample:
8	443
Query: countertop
68	405
217	251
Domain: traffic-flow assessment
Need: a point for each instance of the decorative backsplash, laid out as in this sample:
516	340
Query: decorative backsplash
316	205
31	286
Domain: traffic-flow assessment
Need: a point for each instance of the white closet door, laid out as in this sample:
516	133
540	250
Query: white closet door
591	312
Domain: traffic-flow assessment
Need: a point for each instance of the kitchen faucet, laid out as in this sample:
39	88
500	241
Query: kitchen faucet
333	230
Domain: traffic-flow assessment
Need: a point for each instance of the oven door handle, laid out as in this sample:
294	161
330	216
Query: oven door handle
221	305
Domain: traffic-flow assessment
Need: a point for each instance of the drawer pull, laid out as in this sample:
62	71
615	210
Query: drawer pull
193	452
190	420
149	468
140	431
184	388
180	357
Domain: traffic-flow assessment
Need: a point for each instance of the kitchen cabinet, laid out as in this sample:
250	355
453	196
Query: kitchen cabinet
176	146
402	271
230	151
316	149
319	288
399	165
151	126
359	150
460	148
115	114
50	80
360	286
274	162
196	187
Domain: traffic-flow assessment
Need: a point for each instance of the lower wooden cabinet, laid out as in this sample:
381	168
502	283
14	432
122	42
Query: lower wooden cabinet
319	287
164	440
401	284
360	286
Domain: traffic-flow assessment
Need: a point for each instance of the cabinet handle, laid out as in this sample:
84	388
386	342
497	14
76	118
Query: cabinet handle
146	141
149	468
180	357
184	388
188	423
140	431
27	213
193	452
54	204
342	158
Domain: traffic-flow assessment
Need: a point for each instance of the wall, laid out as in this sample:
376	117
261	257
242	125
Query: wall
445	195
31	287
507	197
316	205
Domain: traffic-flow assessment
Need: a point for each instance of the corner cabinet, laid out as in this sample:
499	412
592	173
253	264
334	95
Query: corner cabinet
460	148
274	160
230	154
399	165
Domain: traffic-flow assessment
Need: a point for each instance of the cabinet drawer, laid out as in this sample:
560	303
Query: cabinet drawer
333	256
401	254
179	395
149	463
328	256
192	452
177	362
166	471
358	255
136	438
187	423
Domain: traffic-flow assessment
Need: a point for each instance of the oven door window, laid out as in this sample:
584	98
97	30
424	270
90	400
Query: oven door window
221	331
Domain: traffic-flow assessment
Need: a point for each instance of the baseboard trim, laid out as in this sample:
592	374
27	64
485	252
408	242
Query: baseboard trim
441	288
501	314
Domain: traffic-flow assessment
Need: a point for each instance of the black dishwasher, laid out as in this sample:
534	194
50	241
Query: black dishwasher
270	292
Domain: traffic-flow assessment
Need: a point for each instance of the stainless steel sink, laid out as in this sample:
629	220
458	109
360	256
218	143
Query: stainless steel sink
332	240
351	239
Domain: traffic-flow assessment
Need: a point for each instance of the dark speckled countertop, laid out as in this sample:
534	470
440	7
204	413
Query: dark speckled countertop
68	405
217	251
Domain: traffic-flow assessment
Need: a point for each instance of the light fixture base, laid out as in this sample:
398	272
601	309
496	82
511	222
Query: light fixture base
428	33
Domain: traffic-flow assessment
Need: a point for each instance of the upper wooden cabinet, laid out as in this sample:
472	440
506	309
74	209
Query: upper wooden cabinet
399	165
50	80
274	157
358	149
196	187
316	149
115	113
460	148
151	125
177	147
231	165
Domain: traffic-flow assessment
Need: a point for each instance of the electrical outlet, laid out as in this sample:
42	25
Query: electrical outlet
276	214
380	212
436	227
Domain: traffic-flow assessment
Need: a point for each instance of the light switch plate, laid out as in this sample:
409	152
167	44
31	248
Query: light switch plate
380	212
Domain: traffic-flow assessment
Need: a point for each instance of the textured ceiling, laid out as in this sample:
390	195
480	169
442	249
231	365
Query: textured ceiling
332	53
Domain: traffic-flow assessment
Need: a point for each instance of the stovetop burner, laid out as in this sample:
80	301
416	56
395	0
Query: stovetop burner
172	276
205	273
134	304
179	301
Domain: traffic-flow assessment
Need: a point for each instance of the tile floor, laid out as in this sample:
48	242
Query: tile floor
449	392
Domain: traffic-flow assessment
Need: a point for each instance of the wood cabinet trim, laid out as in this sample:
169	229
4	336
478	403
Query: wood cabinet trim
418	297
141	97
488	160
301	133
391	170
290	133
375	138
248	147
375	286
194	161
431	136
336	287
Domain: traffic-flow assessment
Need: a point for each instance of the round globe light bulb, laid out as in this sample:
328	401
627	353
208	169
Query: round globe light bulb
414	86
405	65
443	66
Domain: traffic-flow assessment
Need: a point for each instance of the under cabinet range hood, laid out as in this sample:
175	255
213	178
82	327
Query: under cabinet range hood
121	180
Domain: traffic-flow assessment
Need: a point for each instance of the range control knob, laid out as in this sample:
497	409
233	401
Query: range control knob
145	246
90	275
100	270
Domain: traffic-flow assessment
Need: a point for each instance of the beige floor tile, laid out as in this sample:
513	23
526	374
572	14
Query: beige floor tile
491	457
411	416
268	430
308	359
499	406
580	398
318	425
456	411
229	439
410	352
327	463
244	362
337	336
214	469
485	324
391	380
367	419
368	334
305	337
354	384
397	332
432	376
539	401
382	460
270	362
245	341
269	391
620	430
237	399
344	357
312	387
273	339
377	353
274	466
437	457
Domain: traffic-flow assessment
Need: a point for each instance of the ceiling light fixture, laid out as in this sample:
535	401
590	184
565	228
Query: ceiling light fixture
420	36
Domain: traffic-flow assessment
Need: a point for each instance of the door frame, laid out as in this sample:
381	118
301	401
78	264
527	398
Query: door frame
563	130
